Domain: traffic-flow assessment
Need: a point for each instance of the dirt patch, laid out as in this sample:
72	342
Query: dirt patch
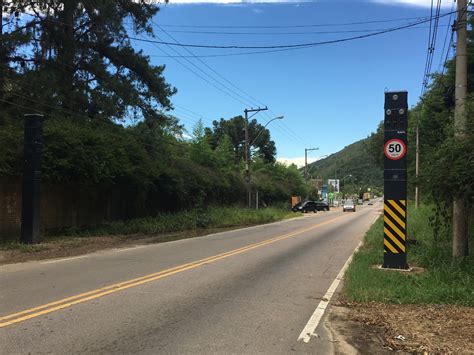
381	328
61	247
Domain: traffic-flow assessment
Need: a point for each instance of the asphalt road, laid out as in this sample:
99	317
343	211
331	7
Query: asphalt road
244	291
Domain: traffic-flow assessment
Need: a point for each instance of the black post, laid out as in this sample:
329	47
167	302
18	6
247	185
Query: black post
395	180
30	208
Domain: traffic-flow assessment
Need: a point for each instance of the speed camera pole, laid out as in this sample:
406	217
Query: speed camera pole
30	209
395	180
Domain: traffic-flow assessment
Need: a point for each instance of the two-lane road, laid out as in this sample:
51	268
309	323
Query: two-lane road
249	290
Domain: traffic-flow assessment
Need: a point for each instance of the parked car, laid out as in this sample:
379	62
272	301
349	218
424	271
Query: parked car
305	207
360	201
322	206
371	203
349	205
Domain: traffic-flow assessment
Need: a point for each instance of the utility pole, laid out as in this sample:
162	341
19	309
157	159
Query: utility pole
306	150
247	151
460	205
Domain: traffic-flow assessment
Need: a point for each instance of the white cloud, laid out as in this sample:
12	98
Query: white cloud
236	1
298	161
419	3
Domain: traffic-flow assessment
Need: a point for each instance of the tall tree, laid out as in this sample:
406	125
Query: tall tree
259	137
74	58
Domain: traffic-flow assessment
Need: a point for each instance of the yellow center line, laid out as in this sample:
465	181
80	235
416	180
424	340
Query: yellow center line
107	290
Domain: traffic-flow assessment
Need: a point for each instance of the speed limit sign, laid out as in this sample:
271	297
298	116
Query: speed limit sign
395	149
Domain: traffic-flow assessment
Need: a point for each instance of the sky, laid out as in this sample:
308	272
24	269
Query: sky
330	95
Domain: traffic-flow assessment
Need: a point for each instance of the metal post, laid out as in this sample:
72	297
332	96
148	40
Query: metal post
30	209
460	213
256	199
306	164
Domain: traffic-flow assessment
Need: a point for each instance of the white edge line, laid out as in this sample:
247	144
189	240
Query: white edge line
313	322
64	259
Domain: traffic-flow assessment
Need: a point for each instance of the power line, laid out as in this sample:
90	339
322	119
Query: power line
440	67
297	26
218	75
280	33
286	46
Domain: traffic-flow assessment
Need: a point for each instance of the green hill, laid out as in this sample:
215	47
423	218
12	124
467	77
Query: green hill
352	160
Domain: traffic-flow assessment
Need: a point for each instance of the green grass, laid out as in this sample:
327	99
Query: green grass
23	248
445	281
184	221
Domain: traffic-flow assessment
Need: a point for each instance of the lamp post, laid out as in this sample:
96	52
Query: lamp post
306	150
247	152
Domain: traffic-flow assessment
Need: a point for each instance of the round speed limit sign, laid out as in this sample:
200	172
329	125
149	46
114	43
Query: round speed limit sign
395	149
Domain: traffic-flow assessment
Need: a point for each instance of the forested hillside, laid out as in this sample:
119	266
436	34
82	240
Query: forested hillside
352	160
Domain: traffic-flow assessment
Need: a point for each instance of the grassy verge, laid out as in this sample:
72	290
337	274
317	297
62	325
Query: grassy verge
180	222
444	281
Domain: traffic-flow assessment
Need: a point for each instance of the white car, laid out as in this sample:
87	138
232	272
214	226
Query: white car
349	205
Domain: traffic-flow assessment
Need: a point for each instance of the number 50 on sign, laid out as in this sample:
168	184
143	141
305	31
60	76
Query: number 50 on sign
395	149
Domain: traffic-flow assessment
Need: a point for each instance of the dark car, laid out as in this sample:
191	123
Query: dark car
322	206
305	207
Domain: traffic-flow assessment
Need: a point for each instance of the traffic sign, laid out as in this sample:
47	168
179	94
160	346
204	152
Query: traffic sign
395	149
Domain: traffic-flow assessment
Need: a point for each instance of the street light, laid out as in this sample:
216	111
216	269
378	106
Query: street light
247	150
266	124
306	150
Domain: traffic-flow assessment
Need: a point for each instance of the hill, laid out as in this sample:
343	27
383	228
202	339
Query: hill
352	160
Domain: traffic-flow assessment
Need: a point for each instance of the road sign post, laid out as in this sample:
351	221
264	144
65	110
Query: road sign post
395	180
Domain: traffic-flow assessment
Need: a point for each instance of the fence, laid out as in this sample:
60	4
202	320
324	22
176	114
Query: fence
67	205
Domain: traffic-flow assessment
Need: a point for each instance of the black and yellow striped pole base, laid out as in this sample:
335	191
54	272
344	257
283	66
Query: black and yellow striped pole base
395	234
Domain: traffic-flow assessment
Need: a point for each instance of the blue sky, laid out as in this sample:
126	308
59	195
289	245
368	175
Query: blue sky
330	95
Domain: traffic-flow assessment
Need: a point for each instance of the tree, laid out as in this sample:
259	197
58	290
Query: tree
73	58
259	136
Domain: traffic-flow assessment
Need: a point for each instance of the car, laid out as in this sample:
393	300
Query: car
360	201
322	206
349	205
305	207
371	203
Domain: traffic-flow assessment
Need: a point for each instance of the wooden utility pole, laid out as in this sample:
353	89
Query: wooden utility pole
417	164
460	205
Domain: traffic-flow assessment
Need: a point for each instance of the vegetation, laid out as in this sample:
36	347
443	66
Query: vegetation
444	280
158	227
107	111
222	217
352	160
446	161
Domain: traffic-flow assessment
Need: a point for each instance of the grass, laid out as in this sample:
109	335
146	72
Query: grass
179	222
184	221
445	280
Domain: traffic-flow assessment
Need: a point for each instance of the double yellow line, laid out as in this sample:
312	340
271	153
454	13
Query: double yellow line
107	290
